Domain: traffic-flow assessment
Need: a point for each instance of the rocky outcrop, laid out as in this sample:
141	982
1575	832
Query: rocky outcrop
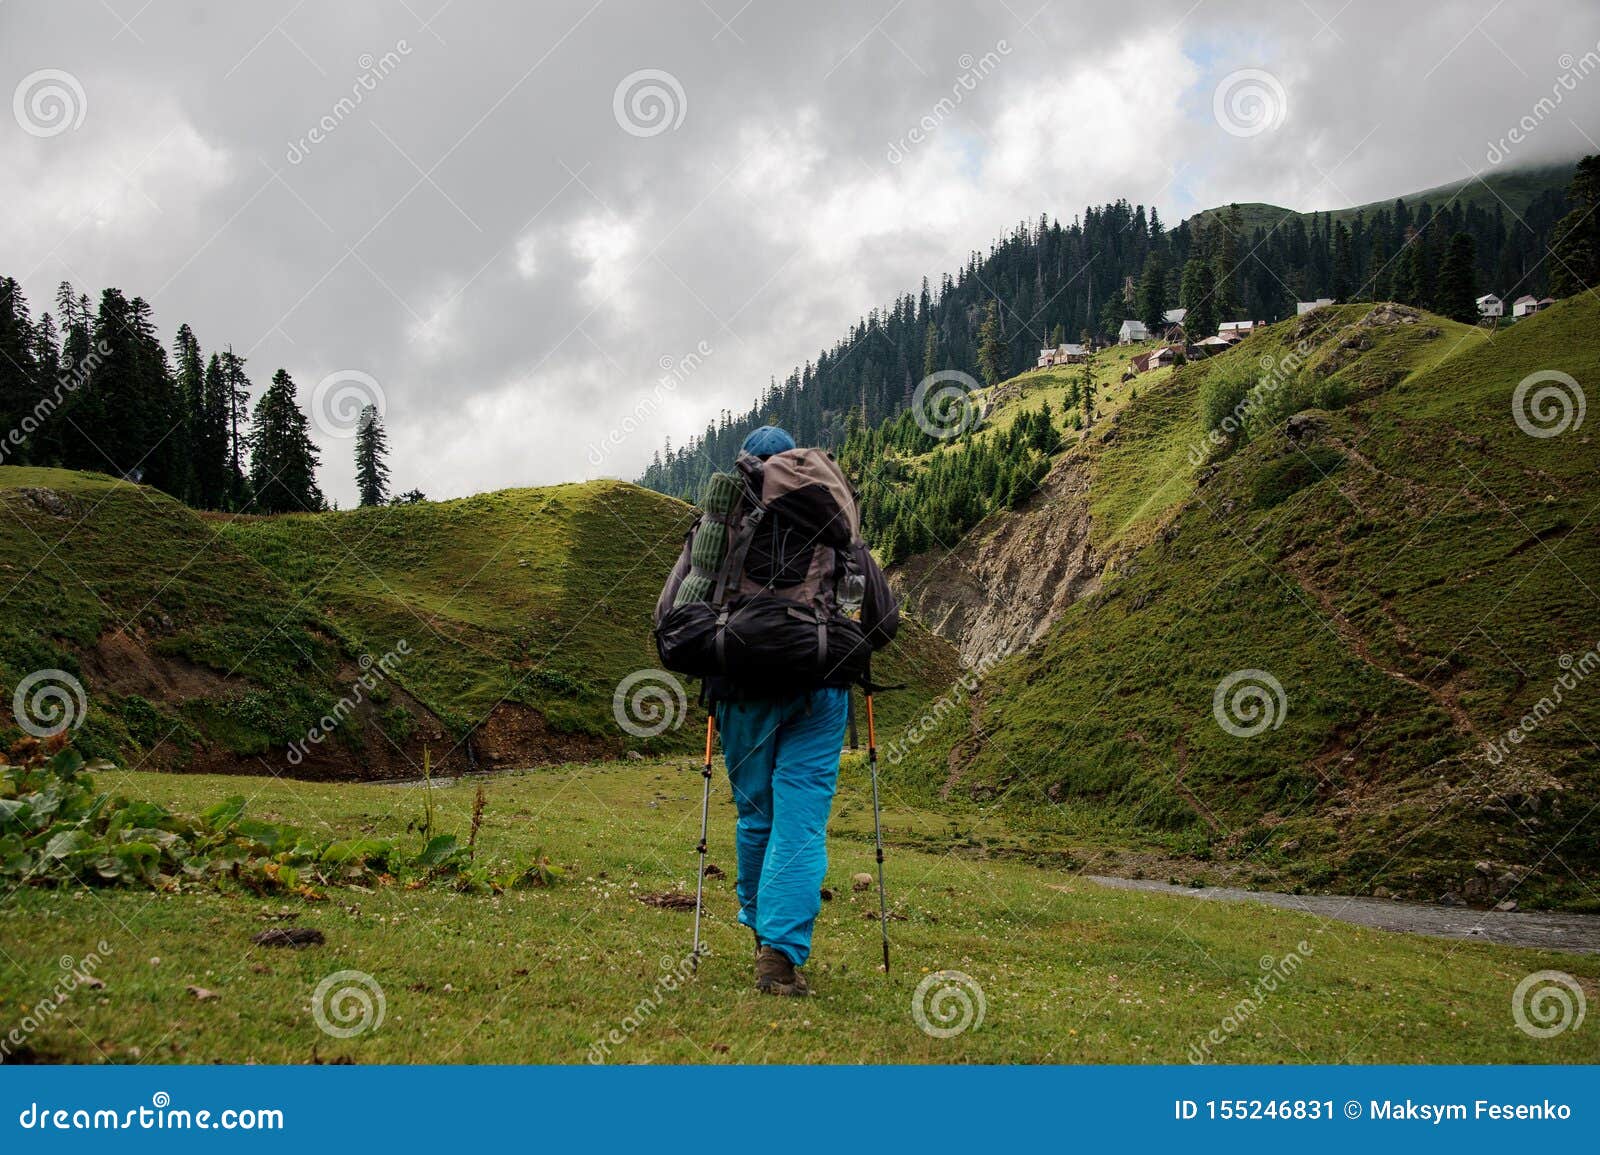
1013	575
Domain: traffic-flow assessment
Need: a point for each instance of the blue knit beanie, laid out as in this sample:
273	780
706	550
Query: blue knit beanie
766	441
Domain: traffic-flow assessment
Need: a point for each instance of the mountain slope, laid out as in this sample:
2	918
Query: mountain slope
492	630
1415	571
1050	282
1513	191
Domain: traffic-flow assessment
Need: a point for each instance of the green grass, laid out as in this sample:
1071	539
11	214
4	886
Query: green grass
1411	570
84	558
207	642
1070	971
541	596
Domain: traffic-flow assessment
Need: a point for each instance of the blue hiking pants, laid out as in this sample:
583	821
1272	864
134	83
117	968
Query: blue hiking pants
783	764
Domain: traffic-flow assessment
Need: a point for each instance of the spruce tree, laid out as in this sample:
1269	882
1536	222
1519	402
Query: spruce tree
1226	264
52	392
283	459
1153	295
1575	240
18	370
236	398
191	373
372	449
211	442
993	357
1457	294
1380	281
1199	298
1342	265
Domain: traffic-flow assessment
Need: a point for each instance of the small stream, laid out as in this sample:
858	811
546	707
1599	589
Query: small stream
1546	930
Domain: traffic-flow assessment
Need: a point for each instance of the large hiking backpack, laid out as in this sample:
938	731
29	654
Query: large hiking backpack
772	599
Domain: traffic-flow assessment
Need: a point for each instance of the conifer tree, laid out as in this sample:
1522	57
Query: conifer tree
1199	298
1153	294
993	356
1339	290
191	383
18	371
1575	240
236	398
1458	294
372	451
283	459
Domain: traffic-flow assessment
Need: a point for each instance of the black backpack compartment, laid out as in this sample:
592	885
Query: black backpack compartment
764	643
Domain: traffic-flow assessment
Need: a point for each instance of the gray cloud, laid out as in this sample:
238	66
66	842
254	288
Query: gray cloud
477	231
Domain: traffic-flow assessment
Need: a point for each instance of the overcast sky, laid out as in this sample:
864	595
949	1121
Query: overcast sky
504	219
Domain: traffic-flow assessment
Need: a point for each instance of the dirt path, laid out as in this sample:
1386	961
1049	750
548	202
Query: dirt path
1445	696
1544	930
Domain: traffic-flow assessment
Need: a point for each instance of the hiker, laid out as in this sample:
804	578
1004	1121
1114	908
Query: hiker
779	644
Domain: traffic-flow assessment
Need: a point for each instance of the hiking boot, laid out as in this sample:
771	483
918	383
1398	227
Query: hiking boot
776	975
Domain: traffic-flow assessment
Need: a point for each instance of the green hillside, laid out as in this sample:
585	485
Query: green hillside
1511	191
211	643
1412	568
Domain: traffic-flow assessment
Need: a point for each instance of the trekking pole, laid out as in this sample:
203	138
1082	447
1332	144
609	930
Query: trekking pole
877	829
705	818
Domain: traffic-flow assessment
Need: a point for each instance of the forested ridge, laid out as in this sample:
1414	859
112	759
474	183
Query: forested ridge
1046	282
94	388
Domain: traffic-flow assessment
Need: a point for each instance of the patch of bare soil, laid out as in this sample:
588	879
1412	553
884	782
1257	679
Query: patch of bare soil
124	664
669	900
518	735
1013	575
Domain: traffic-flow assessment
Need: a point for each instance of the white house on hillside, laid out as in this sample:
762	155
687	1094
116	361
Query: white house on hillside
1237	330
1301	308
1062	355
1490	305
1174	316
1132	331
